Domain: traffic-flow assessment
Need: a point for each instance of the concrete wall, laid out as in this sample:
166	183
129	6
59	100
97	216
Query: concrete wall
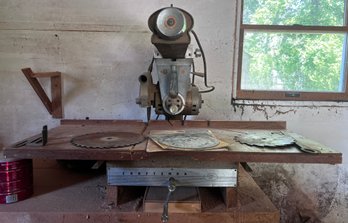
102	46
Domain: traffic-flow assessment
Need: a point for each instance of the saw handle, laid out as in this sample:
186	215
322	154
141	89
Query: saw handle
171	189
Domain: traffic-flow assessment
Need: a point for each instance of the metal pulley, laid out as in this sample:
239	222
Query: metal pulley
171	23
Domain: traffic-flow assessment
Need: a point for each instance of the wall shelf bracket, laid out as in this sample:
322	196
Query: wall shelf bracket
53	106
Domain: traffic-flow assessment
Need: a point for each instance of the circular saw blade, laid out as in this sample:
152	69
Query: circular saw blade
265	139
198	140
106	140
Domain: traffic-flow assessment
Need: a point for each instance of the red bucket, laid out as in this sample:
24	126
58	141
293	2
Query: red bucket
16	179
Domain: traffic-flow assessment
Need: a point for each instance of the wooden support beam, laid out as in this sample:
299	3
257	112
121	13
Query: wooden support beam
230	196
54	106
28	73
112	195
46	74
56	95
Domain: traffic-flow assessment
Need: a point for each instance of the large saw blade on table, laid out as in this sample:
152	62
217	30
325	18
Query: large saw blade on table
265	139
106	140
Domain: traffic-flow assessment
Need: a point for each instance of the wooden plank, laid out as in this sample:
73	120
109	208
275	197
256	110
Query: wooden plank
45	164
59	146
139	217
101	122
112	196
230	196
268	125
333	158
128	154
190	123
46	74
139	148
174	125
56	95
28	73
283	95
121	195
182	200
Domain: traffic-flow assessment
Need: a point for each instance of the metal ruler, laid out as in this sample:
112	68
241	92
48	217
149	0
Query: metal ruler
157	172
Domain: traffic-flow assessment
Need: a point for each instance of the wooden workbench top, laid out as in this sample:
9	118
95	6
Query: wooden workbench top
59	146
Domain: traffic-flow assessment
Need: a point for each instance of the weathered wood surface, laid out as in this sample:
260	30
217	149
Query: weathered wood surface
59	146
182	200
65	196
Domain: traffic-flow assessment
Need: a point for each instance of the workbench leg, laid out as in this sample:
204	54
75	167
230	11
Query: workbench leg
230	196
112	194
119	195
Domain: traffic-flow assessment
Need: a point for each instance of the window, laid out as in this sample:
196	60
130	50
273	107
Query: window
293	50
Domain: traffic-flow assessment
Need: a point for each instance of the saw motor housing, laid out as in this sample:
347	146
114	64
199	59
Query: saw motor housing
174	94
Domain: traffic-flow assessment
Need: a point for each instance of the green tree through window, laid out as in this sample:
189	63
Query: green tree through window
293	45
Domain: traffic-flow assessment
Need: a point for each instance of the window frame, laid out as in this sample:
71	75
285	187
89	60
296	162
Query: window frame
246	94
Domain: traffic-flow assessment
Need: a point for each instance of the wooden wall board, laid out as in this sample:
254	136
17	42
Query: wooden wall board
266	125
102	122
59	146
128	217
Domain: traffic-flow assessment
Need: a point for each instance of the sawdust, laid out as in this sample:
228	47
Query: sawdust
296	206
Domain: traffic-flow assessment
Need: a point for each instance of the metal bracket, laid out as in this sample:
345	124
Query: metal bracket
54	106
38	140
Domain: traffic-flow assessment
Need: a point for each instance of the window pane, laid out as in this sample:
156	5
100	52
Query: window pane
293	62
290	12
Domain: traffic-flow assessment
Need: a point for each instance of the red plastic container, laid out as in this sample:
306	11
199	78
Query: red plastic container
16	179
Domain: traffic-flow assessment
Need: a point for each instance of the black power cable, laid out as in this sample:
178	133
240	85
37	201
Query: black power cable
212	88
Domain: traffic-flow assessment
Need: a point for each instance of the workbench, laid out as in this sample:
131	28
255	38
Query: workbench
125	204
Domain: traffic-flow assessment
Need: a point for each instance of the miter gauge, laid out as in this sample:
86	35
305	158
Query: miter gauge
107	140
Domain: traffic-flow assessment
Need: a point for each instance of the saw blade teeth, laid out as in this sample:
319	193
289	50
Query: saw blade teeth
107	140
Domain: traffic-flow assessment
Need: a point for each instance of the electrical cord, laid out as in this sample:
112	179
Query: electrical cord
193	73
212	88
151	65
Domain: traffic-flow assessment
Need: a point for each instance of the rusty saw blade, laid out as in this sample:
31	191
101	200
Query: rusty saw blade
106	140
186	139
265	139
274	140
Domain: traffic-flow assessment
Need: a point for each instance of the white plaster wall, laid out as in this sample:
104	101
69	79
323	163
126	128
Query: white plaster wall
102	46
